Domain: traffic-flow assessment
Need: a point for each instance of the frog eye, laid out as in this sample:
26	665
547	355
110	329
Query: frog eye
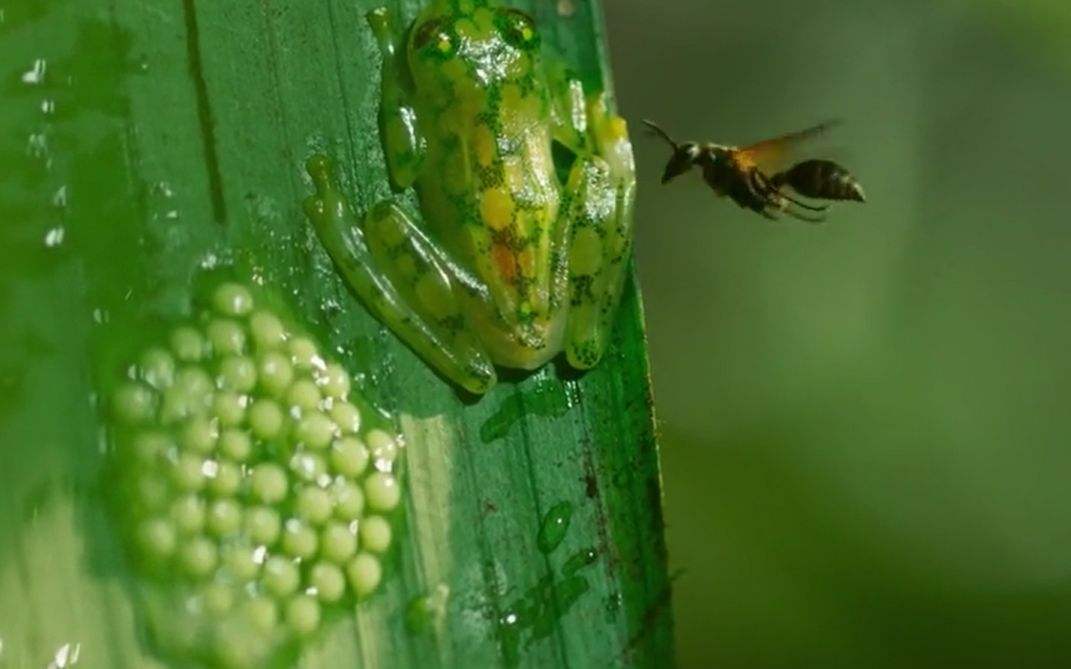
518	28
433	35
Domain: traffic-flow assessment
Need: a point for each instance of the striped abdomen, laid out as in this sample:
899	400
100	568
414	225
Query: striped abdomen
822	179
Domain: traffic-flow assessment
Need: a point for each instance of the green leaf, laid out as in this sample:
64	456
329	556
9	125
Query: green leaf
144	142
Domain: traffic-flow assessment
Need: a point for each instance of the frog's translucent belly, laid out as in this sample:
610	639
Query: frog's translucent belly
492	199
507	350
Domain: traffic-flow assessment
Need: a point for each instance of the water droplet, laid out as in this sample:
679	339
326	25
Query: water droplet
54	237
66	656
163	189
566	8
48	106
537	613
59	198
555	525
36	74
172	215
579	561
37	146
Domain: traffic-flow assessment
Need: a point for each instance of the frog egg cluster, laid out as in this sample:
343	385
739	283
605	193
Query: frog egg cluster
248	470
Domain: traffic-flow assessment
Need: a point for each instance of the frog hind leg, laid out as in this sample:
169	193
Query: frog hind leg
600	199
399	276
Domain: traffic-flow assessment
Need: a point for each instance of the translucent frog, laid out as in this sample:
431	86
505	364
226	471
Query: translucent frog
510	263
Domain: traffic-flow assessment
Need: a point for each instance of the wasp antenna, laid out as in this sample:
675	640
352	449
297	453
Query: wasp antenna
655	129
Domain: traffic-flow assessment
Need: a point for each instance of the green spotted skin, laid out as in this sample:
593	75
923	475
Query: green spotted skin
507	265
254	485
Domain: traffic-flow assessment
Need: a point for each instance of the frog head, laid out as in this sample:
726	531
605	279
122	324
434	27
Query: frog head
468	46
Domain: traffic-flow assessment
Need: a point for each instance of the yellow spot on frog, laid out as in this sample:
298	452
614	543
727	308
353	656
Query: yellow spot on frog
496	208
470	31
454	70
597	106
520	66
617	128
388	228
586	255
511	96
435	296
484	19
407	268
526	260
484	143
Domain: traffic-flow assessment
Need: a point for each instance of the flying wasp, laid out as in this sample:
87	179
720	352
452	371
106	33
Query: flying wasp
741	174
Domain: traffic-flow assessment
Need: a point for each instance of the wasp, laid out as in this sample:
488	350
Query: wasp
741	174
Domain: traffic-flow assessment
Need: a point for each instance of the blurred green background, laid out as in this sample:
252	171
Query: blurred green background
865	424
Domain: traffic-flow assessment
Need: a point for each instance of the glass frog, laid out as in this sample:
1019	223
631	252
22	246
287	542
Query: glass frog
509	264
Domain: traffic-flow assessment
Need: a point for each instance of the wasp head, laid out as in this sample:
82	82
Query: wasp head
685	154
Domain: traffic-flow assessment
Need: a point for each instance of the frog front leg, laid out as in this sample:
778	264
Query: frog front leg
600	196
398	273
404	145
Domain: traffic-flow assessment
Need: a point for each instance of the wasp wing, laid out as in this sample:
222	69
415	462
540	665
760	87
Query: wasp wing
771	154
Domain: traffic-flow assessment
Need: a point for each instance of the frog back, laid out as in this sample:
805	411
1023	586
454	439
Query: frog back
488	188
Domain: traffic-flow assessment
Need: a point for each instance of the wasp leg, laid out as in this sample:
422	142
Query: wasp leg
768	186
774	198
808	207
803	217
765	204
760	188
